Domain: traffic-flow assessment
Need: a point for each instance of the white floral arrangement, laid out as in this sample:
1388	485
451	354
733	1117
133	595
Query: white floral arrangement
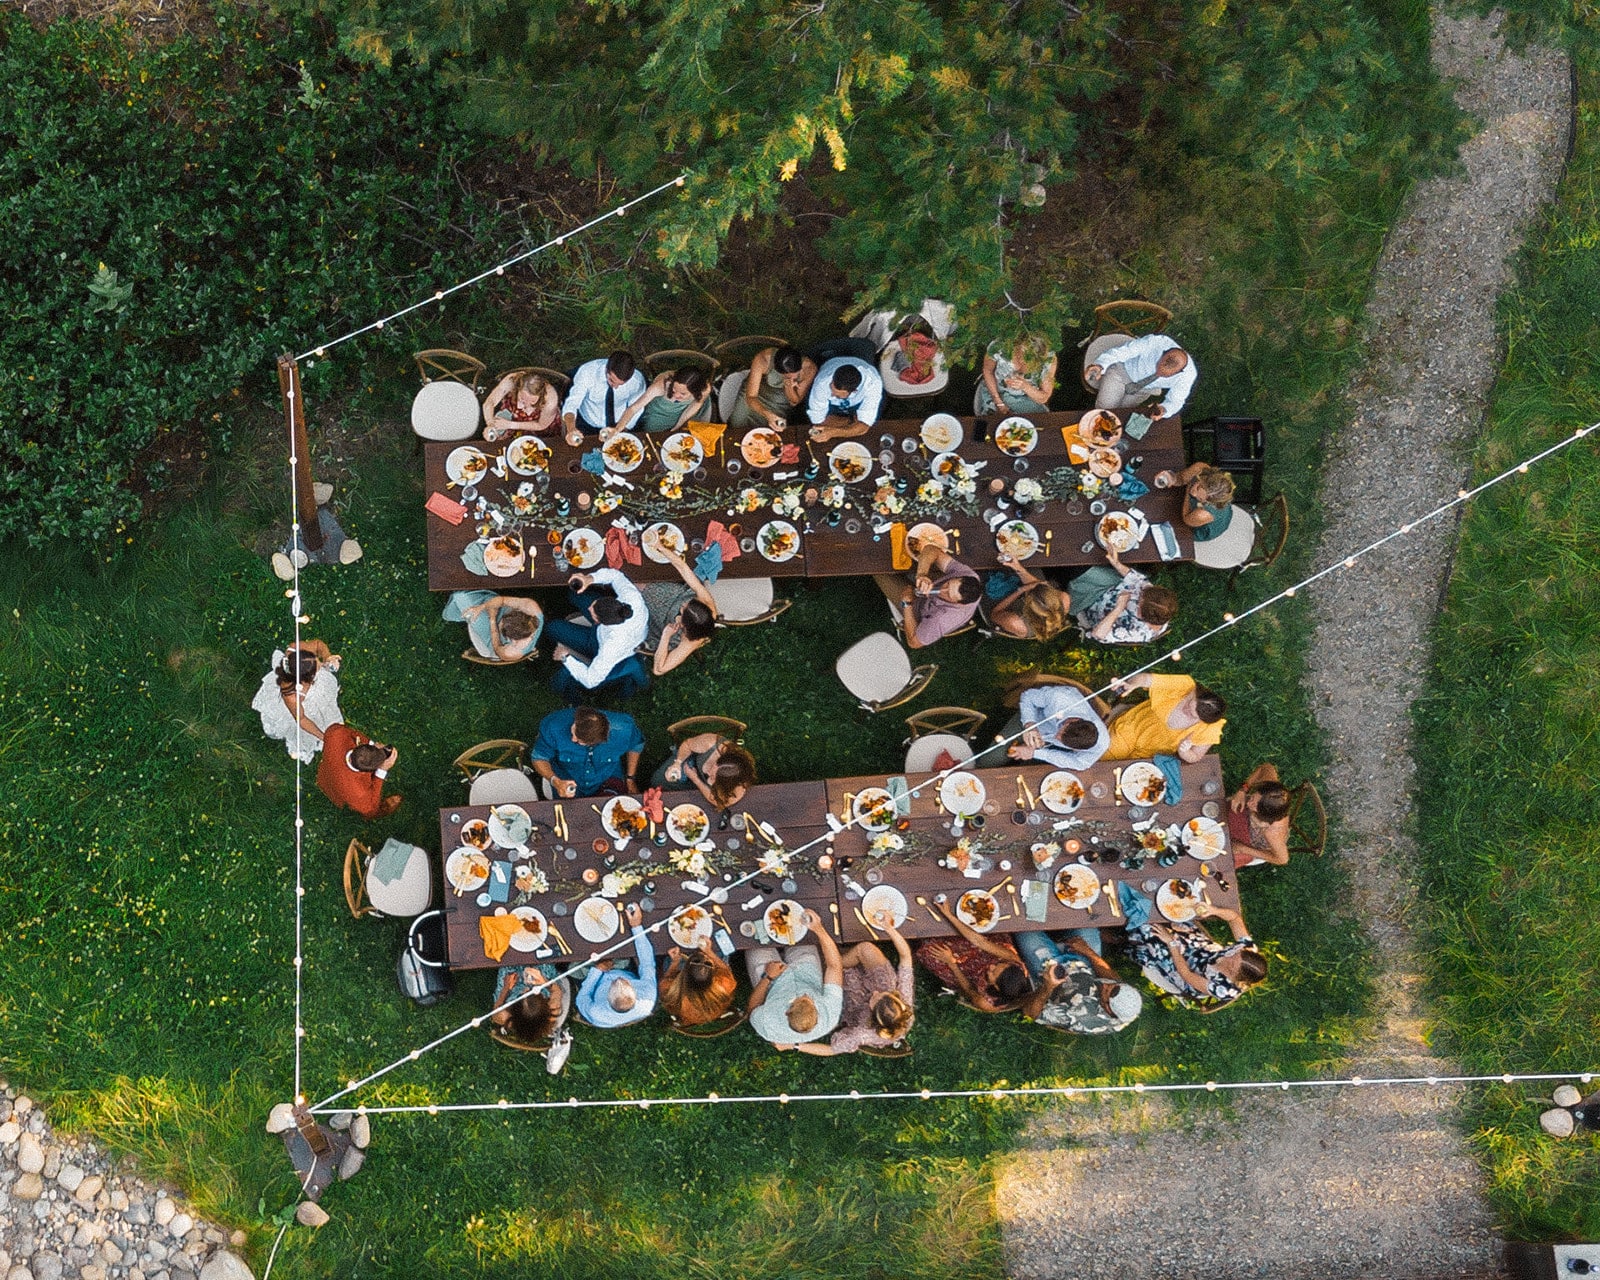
930	491
1089	484
749	500
787	503
1029	490
775	861
833	495
607	500
672	485
689	861
616	883
885	843
886	502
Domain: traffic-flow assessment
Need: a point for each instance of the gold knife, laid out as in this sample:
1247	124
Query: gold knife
1111	899
1116	786
868	927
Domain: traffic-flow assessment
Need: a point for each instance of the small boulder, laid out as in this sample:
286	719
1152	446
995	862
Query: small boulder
311	1214
341	1119
30	1155
180	1224
92	1271
22	1105
281	1118
350	1162
70	1176
30	1186
226	1266
164	1211
10	1131
89	1188
361	1131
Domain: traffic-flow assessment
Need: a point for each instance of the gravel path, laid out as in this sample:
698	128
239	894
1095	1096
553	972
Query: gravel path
1343	1184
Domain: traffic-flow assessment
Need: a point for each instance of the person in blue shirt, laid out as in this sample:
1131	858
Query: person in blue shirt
601	391
845	398
613	995
584	752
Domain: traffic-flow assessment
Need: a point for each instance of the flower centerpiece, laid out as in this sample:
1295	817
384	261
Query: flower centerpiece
616	883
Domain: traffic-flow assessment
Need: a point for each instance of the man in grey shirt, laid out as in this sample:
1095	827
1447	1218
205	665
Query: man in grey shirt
800	996
1058	727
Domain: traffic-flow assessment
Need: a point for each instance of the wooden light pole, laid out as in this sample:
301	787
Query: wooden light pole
305	500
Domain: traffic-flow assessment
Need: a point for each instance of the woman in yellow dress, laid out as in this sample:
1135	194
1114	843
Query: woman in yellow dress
1181	718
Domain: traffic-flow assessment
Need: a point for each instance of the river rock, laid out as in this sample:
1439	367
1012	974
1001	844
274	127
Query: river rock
350	1162
22	1105
92	1271
30	1186
281	1118
46	1266
180	1224
361	1131
164	1211
30	1155
10	1131
341	1119
239	1238
52	1162
70	1176
226	1266
310	1214
110	1252
19	1272
89	1188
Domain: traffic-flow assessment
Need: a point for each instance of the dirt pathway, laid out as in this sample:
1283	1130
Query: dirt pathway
1344	1184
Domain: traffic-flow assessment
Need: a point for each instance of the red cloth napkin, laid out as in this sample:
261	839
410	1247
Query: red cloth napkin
920	350
653	808
620	547
715	532
944	760
446	508
789	454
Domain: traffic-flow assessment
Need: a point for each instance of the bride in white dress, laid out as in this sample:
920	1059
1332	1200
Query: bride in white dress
301	691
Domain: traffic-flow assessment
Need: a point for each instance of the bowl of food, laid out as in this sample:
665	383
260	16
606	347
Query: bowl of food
1016	437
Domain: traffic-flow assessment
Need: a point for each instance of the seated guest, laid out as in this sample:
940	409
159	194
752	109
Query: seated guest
1258	819
717	767
353	770
1114	604
583	752
776	388
1018	378
542	1000
1073	988
682	616
502	627
931	607
588	654
1025	605
520	402
1127	375
985	972
1058	725
1184	960
697	989
299	698
1180	718
845	398
672	401
614	994
1207	498
600	394
799	991
878	997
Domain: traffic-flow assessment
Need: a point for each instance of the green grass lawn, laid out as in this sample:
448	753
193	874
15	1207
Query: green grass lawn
145	923
1510	732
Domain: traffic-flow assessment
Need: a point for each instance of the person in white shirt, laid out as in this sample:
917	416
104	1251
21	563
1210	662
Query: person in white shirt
1127	374
845	398
601	392
1058	727
620	618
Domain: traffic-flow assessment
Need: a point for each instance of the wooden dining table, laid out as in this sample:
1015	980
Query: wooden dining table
798	815
834	542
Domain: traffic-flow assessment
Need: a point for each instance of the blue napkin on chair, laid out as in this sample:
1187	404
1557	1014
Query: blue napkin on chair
1169	769
391	861
472	557
593	462
708	564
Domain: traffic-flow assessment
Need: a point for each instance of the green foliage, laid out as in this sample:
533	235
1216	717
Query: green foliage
1510	731
171	218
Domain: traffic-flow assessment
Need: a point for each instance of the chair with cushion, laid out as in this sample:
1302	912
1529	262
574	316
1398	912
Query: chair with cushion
447	408
502	786
896	1049
746	602
1034	679
496	753
718	1026
729	391
1308	820
939	731
897	616
1231	548
398	882
1116	322
878	673
723	726
484	660
1272	532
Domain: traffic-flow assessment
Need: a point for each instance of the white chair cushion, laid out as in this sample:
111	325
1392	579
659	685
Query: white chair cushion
502	786
740	599
923	751
874	669
1230	548
729	392
1105	342
446	410
408	894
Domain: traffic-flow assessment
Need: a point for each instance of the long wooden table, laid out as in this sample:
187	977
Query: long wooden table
846	548
799	813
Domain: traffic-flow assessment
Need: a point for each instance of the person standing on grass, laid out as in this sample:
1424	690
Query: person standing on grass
353	771
299	698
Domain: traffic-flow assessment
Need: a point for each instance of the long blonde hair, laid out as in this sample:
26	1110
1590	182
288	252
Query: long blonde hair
1030	354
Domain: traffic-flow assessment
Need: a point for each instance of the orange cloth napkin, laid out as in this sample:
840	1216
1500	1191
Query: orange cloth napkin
715	532
789	455
620	547
496	932
654	809
707	433
446	508
899	557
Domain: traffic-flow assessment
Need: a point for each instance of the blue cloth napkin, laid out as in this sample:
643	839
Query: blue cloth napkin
901	791
472	557
593	462
1169	768
708	564
1000	584
1131	487
1135	906
391	861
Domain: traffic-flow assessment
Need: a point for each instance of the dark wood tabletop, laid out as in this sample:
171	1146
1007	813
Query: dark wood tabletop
798	813
848	547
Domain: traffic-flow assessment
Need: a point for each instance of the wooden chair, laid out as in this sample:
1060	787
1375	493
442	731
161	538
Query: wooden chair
746	602
1127	316
689	726
506	1039
458	366
470	654
1032	680
718	1026
879	674
1308	821
962	721
408	895
681	357
1235	445
897	616
554	377
496	753
355	879
894	1049
1272	533
755	343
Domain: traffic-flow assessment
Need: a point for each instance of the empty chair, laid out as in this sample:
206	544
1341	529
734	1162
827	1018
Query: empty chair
502	786
1308	820
397	882
878	673
940	731
1236	445
728	393
446	408
745	602
495	753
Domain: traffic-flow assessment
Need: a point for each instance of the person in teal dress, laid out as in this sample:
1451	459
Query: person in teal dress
505	628
669	403
1207	498
1018	378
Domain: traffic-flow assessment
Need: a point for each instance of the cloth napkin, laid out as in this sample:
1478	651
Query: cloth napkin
650	801
496	932
901	791
1169	768
620	548
1138	424
708	564
707	433
717	533
472	557
919	351
789	455
1132	488
391	861
447	509
899	558
594	462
